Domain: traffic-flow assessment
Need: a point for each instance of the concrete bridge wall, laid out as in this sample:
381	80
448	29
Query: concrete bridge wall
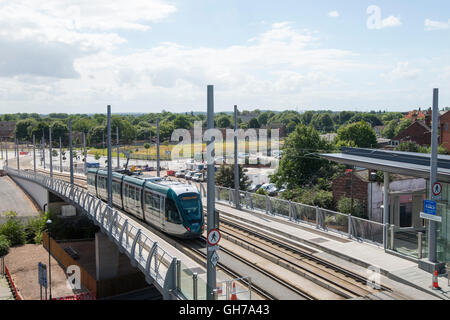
37	192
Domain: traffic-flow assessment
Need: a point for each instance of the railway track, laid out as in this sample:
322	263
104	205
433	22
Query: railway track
341	281
345	283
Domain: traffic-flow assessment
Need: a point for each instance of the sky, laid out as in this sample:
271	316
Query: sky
151	55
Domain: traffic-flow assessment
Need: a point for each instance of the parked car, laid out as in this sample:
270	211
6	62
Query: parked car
270	188
189	175
180	174
254	187
198	177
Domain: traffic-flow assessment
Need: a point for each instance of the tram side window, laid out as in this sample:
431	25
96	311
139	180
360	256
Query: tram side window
152	203
132	194
116	187
126	193
172	214
138	197
91	180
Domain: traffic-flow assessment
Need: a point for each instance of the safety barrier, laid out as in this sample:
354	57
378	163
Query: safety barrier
158	266
81	296
326	220
13	286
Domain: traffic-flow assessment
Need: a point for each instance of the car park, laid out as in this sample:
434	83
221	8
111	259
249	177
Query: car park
189	175
180	174
198	177
254	187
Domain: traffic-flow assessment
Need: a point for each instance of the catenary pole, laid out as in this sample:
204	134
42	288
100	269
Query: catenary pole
158	169
433	174
109	158
60	155
70	153
117	142
34	154
236	165
211	269
50	151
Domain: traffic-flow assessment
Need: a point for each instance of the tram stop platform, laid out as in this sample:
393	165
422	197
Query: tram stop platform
396	272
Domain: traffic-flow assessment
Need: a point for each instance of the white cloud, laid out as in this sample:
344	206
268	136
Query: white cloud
45	38
333	14
431	25
402	71
390	22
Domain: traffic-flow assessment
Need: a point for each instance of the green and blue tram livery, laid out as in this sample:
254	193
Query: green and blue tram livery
172	207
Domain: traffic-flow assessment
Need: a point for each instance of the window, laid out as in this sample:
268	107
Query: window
172	214
152	202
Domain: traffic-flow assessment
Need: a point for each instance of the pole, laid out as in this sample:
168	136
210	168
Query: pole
158	169
109	158
60	156
49	262
34	154
432	248
386	208
70	153
6	152
236	165
211	269
18	158
43	147
118	153
50	151
1	144
85	153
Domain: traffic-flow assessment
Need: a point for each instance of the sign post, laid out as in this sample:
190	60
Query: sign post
42	278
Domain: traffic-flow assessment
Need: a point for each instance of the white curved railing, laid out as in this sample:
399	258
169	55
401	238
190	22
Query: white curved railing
159	267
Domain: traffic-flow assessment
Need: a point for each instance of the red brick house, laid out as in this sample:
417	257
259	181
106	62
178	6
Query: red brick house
342	187
444	137
418	132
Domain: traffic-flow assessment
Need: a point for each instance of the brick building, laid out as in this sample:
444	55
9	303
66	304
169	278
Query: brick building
418	132
7	129
342	187
444	137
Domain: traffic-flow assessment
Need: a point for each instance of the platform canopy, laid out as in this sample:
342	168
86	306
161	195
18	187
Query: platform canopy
405	163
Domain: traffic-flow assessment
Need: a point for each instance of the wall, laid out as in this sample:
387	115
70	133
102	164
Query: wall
342	188
38	193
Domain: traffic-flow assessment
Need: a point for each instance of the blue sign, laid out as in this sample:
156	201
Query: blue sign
429	207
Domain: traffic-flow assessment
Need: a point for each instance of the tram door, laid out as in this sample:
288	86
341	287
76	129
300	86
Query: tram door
162	212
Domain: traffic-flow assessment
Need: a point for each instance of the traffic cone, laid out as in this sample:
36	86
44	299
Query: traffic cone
233	293
435	281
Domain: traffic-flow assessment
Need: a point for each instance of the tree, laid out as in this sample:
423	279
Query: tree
4	246
360	134
253	123
13	229
182	122
24	128
147	146
59	130
323	122
225	177
224	122
299	166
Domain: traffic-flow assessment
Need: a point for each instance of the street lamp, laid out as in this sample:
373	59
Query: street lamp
49	222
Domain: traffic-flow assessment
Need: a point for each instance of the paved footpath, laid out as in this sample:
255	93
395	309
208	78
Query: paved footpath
396	271
5	291
12	198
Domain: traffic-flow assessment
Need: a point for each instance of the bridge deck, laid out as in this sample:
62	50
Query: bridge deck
12	198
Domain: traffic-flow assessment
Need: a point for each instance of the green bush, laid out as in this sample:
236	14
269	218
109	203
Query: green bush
345	206
13	229
34	228
262	192
4	246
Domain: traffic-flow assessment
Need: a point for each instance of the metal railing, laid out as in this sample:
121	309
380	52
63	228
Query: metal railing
158	266
327	220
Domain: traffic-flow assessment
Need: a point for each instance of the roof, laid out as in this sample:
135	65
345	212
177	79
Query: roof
7	128
404	163
364	176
